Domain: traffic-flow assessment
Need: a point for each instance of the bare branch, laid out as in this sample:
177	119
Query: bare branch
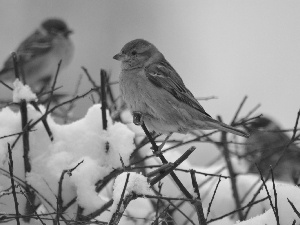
11	169
235	211
232	174
199	209
294	208
103	98
53	85
212	198
119	212
238	110
173	166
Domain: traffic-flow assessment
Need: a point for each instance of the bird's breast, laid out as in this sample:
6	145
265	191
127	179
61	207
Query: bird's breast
133	85
63	49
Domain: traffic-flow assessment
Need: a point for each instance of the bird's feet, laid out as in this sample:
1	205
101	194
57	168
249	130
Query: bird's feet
138	118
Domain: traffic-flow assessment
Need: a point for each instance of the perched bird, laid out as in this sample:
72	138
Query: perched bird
40	53
264	148
156	94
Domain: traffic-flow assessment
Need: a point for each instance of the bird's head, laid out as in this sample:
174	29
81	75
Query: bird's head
137	54
263	123
56	27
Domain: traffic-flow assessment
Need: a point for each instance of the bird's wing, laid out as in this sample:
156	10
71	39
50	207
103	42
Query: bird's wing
35	45
163	75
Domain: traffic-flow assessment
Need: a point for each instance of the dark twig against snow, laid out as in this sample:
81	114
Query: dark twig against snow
11	169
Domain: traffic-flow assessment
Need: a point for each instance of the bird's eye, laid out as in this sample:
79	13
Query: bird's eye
133	52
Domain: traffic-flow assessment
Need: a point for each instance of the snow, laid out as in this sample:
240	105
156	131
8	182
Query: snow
137	183
22	92
84	178
81	140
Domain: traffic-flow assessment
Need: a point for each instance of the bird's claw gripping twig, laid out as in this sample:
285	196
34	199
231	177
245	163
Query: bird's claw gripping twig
138	118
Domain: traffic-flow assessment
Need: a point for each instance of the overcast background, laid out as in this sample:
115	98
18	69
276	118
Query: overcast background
228	49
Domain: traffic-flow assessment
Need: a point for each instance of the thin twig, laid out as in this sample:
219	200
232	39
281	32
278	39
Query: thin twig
156	221
199	210
35	213
59	196
175	146
48	92
235	211
11	169
118	213
71	105
205	174
15	134
173	166
10	88
89	77
163	159
252	111
45	123
102	183
16	67
206	98
23	184
212	198
61	104
268	194
204	182
164	197
294	208
113	106
53	85
103	98
275	197
232	175
175	207
238	110
99	211
157	202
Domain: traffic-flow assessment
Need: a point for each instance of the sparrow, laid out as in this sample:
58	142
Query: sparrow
157	96
40	53
264	148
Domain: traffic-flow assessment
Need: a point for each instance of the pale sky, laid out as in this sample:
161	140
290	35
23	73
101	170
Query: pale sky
224	48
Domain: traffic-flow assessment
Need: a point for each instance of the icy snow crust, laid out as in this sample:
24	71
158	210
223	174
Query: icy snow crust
22	92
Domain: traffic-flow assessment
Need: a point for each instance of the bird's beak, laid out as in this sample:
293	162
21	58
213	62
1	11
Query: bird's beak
119	56
68	32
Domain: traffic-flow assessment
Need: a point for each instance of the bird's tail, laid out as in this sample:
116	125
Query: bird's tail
224	127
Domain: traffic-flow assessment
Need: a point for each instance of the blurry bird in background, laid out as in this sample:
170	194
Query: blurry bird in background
157	96
266	145
40	53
